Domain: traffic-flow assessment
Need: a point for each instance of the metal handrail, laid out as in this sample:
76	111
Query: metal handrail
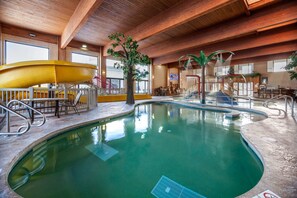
277	109
246	98
10	104
266	103
19	131
235	97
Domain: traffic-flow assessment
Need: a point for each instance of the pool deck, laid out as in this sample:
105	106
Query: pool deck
274	139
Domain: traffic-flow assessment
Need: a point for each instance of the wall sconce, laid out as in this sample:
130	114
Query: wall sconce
84	47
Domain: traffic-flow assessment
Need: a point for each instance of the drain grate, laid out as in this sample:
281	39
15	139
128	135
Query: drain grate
102	150
167	188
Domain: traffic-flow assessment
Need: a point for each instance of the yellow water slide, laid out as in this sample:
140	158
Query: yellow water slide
30	73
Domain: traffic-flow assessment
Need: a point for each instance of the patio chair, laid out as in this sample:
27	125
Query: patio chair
72	104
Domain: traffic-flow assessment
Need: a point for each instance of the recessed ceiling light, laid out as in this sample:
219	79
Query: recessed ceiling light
32	35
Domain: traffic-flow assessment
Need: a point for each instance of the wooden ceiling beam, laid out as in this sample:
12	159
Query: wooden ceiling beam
178	14
246	7
261	58
79	17
279	35
267	50
262	3
279	13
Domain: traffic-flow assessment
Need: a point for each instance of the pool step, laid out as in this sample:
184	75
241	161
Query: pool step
167	188
102	151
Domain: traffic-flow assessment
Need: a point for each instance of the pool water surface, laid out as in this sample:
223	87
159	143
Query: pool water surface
200	151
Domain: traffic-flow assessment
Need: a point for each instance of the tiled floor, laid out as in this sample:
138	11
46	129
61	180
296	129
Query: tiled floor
274	139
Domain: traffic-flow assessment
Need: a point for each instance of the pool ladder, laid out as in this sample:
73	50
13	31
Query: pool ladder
9	109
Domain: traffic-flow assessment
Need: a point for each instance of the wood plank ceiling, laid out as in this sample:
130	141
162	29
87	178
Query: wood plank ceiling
119	16
48	16
190	25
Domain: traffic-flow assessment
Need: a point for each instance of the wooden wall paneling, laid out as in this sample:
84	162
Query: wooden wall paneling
90	47
25	33
81	14
178	14
279	35
278	13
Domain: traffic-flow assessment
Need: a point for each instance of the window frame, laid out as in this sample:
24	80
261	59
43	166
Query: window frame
106	70
86	55
52	48
70	50
271	68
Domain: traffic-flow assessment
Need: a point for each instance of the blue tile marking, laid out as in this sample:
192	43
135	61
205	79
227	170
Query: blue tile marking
102	150
167	188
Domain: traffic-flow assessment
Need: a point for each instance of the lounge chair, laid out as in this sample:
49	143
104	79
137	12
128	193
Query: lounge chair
72	104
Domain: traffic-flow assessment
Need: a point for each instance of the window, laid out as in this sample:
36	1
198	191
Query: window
81	58
221	71
277	65
111	71
16	52
142	85
247	68
114	76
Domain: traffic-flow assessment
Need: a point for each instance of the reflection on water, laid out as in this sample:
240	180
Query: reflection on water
201	150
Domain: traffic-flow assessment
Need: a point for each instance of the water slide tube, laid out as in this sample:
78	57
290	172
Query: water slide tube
29	73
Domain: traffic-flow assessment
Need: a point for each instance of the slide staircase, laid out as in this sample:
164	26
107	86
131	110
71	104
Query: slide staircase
222	97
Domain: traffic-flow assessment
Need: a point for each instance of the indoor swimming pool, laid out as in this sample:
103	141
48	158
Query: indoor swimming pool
160	150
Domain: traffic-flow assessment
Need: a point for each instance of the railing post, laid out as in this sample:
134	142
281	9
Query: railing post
286	105
7	121
293	103
31	95
31	92
89	99
96	96
65	97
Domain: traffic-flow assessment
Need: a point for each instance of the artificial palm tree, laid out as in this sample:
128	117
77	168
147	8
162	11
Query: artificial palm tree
291	65
124	48
203	61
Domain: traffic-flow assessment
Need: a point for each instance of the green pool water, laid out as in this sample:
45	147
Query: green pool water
127	156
